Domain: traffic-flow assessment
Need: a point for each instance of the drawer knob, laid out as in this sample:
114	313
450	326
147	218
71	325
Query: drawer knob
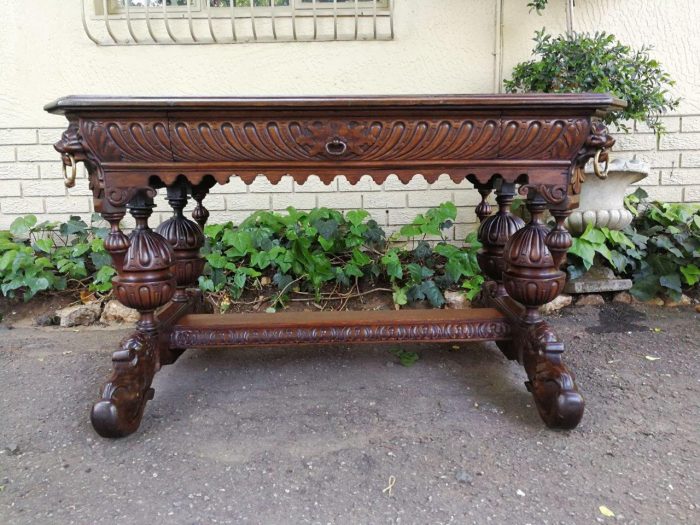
336	147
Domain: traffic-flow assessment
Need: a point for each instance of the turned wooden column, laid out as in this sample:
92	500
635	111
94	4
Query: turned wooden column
186	239
494	232
200	213
146	280
531	275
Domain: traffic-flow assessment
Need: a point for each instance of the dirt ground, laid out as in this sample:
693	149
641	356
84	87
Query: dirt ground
316	435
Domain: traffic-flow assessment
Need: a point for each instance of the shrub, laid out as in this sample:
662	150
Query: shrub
583	62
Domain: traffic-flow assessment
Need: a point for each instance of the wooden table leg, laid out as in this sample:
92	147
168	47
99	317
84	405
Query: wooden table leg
145	281
494	232
532	278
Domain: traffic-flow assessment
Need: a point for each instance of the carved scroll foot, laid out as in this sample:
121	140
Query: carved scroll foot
551	383
557	399
124	397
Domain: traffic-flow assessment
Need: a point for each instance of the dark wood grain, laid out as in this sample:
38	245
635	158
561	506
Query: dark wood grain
536	144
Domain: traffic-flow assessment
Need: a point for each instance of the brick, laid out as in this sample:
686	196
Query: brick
10	188
250	201
21	206
691	194
384	200
380	216
672	124
301	201
635	142
462	230
467	215
655	158
18	171
340	201
690	123
68	205
392	183
364	184
690	160
402	216
41	152
236	217
680	176
17	136
665	193
213	202
7	153
53	170
653	179
262	185
43	188
467	196
314	185
681	141
429	198
49	135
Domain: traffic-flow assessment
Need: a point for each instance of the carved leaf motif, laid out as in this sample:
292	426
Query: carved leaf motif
142	140
542	139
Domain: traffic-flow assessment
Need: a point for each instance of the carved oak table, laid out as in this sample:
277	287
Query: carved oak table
534	145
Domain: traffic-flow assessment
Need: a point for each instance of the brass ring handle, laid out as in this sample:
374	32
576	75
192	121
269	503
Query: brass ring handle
70	181
596	166
336	147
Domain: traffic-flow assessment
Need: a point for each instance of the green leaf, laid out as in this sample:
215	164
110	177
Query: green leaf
21	226
400	297
433	293
691	274
393	265
45	245
593	235
356	217
671	281
216	260
584	250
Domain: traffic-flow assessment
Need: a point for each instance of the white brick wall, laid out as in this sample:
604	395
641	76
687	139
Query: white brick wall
30	182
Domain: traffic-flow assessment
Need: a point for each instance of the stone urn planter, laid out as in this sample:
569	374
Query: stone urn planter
602	200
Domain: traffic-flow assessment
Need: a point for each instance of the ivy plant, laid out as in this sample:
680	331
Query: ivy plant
659	251
584	62
36	257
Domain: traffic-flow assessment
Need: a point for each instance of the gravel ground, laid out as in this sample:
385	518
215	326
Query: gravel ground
315	435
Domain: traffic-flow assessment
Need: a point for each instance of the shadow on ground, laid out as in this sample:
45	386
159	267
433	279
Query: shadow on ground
314	435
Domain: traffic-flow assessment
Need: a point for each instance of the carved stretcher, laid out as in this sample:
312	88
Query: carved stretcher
534	145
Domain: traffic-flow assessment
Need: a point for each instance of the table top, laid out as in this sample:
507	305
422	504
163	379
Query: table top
594	101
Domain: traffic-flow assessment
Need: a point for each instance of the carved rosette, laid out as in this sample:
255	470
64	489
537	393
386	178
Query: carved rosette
494	233
186	239
531	276
146	281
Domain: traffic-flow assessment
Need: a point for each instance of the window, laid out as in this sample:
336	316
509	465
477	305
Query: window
131	22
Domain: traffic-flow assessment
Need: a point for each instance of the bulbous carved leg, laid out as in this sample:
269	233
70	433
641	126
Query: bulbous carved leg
186	238
532	278
145	281
494	232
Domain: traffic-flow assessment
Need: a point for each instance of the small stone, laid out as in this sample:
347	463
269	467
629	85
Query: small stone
623	297
697	308
656	301
389	364
684	301
47	319
116	312
265	280
82	314
520	493
463	477
558	303
456	300
13	449
591	299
